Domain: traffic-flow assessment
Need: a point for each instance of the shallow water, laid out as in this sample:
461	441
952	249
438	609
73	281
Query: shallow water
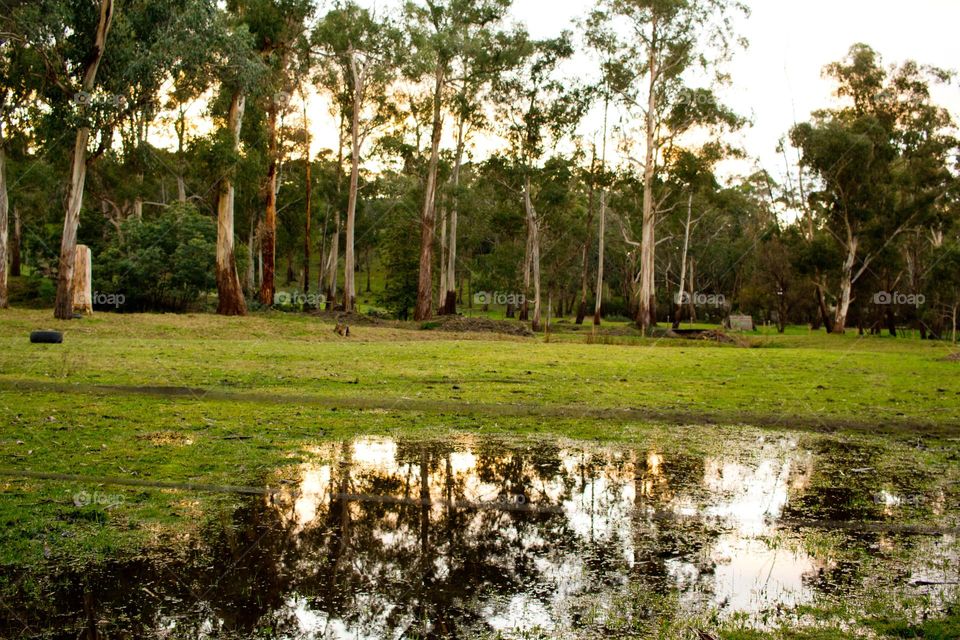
378	538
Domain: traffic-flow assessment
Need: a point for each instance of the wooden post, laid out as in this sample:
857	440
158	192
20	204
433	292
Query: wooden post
83	281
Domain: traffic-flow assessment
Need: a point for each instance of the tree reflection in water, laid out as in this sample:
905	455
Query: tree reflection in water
379	538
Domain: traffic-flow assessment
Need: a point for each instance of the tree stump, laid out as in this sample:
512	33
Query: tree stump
83	281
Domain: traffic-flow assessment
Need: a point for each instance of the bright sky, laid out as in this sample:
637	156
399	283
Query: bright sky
777	81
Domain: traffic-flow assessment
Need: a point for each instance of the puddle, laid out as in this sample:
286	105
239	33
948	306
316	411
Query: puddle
377	538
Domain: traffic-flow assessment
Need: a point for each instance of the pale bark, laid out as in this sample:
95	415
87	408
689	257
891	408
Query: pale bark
349	261
584	266
678	304
533	228
600	251
424	307
647	304
78	174
333	285
443	258
230	301
846	285
307	223
83	281
450	297
335	245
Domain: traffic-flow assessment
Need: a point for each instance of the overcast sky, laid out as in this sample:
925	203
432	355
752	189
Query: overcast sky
777	80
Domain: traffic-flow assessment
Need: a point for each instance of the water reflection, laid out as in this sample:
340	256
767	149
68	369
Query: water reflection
378	538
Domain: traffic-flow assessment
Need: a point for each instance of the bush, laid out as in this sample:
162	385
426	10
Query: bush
33	291
161	264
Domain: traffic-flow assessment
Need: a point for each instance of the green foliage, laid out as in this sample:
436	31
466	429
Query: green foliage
164	263
401	260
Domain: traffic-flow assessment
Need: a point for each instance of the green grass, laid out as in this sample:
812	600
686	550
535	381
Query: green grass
263	389
812	379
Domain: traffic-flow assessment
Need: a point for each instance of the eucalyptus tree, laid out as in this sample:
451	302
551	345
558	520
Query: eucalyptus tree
652	46
362	55
484	55
538	109
278	28
882	160
67	41
93	64
441	32
14	93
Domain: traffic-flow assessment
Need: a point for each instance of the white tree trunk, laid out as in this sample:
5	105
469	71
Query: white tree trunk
349	271
424	307
83	281
647	299
450	297
846	285
230	300
78	173
534	231
602	232
678	304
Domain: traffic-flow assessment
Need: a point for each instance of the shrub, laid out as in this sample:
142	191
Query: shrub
159	264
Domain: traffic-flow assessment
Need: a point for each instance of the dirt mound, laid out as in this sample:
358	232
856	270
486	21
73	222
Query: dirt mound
710	335
478	325
353	318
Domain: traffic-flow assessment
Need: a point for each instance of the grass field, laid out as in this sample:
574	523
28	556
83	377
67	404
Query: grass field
205	399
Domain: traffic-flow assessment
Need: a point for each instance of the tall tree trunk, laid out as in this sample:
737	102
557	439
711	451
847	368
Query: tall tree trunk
230	301
309	204
78	174
251	263
334	259
450	299
585	254
268	242
15	245
527	268
598	305
533	228
846	285
678	303
647	303
333	287
4	224
349	261
443	259
825	318
322	266
424	308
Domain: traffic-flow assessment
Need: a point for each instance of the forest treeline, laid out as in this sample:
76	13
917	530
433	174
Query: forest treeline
601	195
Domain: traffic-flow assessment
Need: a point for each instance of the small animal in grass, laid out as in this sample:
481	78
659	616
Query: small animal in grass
342	329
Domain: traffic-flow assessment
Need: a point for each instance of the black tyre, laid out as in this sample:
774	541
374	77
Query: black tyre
46	337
